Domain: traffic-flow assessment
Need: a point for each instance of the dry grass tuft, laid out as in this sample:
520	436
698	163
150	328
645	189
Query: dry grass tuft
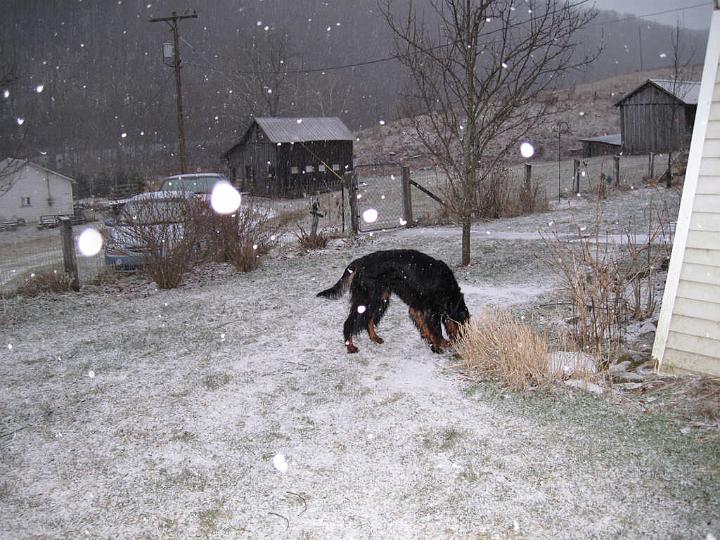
312	241
499	345
52	281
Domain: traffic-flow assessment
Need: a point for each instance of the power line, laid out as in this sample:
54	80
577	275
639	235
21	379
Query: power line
395	56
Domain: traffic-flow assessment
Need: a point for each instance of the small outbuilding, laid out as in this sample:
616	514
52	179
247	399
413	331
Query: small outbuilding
291	157
602	146
29	190
688	331
658	116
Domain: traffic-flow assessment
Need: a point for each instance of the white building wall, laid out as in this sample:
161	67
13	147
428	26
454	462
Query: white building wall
688	335
48	192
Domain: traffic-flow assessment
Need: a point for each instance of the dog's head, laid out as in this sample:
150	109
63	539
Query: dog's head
456	316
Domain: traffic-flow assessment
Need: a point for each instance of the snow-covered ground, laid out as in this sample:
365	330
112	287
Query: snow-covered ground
228	408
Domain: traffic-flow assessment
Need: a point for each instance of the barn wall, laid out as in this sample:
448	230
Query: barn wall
688	335
268	169
647	123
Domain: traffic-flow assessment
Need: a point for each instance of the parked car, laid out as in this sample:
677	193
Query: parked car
198	183
152	220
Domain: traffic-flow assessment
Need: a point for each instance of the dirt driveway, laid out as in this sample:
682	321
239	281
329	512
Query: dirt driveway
162	414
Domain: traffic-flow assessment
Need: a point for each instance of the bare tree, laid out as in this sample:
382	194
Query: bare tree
265	78
478	68
680	71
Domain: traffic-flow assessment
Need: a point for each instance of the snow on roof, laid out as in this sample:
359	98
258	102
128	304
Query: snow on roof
16	164
685	91
286	130
614	138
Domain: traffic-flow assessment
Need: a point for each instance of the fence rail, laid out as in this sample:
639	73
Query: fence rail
382	188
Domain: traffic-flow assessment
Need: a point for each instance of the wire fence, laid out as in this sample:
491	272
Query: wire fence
28	252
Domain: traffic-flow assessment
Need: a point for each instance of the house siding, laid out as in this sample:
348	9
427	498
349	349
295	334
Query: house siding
688	335
49	193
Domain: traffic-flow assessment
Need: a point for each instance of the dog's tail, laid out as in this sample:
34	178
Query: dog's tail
342	285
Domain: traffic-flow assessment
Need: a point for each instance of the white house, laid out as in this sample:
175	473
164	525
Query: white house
688	333
29	190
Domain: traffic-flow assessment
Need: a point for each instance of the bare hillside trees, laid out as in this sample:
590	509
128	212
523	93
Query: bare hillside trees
478	67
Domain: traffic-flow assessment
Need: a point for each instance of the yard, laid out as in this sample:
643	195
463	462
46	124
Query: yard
228	408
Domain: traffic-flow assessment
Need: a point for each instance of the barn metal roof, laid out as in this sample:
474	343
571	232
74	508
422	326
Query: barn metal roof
286	130
614	138
685	91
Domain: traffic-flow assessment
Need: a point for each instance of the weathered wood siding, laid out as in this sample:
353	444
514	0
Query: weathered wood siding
265	168
688	337
647	123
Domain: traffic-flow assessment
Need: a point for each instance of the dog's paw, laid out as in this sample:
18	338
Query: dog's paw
351	349
378	340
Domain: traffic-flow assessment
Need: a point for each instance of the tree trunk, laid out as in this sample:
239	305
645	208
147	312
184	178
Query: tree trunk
668	180
466	242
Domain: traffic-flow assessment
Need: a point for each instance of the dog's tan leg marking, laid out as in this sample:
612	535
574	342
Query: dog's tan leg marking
373	335
351	348
419	319
453	328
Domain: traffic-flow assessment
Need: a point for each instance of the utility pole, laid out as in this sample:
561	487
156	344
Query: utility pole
640	46
173	24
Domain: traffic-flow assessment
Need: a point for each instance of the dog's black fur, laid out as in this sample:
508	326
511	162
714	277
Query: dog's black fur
426	285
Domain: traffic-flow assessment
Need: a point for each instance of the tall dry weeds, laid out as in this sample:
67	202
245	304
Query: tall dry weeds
609	279
497	344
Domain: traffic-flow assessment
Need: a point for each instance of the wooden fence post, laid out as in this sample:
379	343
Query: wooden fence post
616	159
576	174
68	247
651	165
351	181
407	197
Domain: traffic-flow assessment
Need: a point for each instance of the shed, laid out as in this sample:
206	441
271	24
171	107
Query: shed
688	332
602	146
658	116
29	190
291	157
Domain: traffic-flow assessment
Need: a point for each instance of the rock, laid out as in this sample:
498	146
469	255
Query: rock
626	376
585	385
647	328
566	363
620	366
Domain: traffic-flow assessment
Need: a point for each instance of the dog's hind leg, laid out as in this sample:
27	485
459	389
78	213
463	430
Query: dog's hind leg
377	310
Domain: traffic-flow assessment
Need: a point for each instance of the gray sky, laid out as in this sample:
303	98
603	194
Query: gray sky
697	18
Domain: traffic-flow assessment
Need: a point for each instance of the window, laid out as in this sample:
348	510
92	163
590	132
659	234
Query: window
309	168
321	168
294	170
335	167
25	201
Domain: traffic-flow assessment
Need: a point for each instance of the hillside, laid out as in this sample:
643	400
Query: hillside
588	108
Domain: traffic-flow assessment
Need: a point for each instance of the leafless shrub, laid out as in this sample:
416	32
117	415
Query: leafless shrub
609	279
500	196
51	281
240	238
497	344
312	241
162	229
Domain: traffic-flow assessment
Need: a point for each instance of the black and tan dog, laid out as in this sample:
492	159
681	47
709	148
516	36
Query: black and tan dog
426	285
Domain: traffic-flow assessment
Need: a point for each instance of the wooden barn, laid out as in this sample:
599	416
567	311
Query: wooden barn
658	116
602	146
291	157
688	330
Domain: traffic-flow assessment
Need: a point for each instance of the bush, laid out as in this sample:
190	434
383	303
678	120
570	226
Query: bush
498	345
240	238
51	281
310	241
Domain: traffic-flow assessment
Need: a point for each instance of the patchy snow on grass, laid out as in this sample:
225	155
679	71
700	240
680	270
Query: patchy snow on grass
230	409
